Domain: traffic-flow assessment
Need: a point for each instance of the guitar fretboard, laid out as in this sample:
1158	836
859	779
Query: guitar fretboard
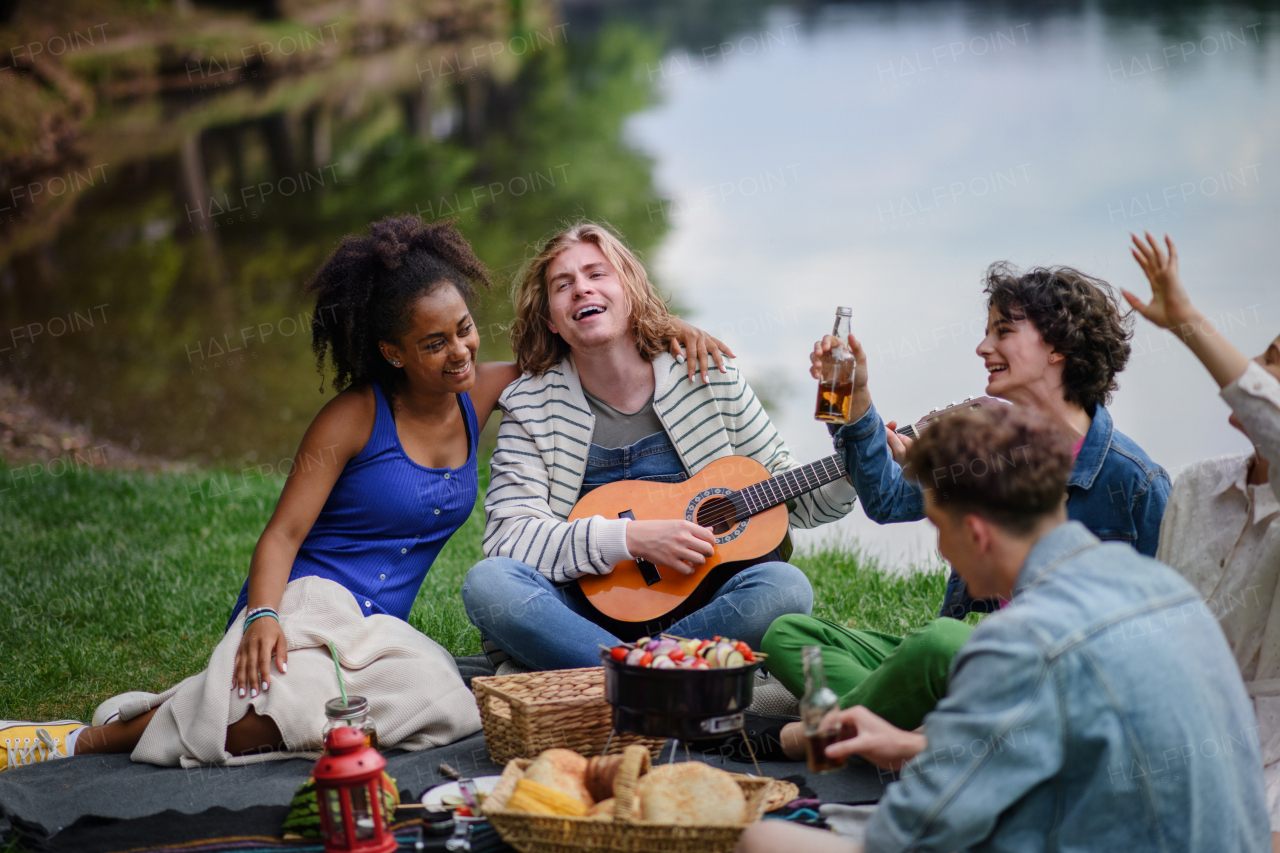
793	483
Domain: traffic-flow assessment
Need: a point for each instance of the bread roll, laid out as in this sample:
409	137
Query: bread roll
607	809
601	771
691	793
602	810
562	770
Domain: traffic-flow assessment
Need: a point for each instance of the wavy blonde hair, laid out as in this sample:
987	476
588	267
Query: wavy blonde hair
536	347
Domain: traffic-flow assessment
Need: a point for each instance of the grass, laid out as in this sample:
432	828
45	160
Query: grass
119	581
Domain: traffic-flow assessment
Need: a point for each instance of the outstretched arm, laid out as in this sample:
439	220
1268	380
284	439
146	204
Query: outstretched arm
1252	390
492	378
1170	308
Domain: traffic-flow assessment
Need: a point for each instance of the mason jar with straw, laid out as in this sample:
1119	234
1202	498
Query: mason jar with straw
352	711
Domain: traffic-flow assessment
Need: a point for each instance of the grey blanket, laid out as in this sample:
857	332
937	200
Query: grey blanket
43	799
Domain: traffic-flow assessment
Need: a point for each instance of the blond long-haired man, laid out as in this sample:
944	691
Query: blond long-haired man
600	400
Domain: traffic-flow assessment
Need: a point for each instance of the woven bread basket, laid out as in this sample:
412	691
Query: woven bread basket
532	833
527	713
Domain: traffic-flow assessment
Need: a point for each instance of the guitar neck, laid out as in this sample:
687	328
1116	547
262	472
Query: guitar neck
912	431
791	484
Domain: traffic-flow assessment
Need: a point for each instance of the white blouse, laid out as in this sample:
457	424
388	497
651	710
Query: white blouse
1223	535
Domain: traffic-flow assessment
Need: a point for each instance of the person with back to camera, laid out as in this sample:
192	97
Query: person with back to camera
1100	710
1221	529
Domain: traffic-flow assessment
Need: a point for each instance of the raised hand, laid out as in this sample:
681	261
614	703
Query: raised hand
682	545
701	349
263	638
1170	306
861	396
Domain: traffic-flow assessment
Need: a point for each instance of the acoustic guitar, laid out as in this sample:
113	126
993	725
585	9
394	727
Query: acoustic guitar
737	498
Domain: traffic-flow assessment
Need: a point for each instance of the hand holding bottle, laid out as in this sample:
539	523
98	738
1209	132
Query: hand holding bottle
859	398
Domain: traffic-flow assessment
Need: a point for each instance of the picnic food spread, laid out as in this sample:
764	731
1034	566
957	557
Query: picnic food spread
562	782
691	793
554	784
667	652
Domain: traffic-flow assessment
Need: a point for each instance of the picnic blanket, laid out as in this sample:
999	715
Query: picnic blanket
384	659
111	804
108	803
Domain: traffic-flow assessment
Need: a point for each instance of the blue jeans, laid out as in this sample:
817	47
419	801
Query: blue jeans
543	625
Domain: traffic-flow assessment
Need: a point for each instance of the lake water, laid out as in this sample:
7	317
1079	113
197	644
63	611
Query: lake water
771	162
882	156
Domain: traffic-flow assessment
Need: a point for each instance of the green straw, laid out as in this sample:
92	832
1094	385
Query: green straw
338	668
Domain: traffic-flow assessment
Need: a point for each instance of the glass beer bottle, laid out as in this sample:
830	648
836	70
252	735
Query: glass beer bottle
818	701
835	385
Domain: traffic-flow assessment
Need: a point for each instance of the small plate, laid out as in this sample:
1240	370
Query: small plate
434	798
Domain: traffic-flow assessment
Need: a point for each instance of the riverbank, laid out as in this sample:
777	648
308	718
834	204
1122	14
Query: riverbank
79	66
123	580
35	444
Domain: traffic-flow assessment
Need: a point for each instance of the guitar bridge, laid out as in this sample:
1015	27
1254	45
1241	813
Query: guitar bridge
648	570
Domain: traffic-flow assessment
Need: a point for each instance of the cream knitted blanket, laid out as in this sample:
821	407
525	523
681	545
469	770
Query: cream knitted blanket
416	696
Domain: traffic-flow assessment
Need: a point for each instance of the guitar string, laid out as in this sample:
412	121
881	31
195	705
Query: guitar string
763	488
718	516
807	471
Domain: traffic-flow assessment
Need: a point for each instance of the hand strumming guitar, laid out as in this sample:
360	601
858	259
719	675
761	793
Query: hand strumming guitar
681	544
861	396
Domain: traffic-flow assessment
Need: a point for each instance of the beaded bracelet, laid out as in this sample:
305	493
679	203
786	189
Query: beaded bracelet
255	610
258	613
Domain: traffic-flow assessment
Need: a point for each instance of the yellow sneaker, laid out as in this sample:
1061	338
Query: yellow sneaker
30	743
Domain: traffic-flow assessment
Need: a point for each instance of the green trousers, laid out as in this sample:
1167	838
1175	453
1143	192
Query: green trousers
899	678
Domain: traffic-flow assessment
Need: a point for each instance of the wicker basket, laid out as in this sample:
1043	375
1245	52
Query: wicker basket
527	713
532	833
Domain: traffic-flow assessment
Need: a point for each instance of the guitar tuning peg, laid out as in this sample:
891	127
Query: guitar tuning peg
953	402
931	411
967	399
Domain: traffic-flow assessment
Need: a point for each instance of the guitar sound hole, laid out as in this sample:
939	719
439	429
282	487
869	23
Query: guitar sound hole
718	514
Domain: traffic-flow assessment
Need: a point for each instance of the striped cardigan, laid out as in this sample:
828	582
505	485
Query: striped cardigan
537	468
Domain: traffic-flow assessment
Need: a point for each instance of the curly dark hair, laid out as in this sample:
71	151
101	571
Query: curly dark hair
1009	465
1078	315
368	285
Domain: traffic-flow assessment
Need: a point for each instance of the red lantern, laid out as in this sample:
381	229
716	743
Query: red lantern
349	792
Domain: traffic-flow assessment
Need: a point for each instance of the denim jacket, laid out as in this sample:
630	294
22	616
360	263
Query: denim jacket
1100	710
1114	489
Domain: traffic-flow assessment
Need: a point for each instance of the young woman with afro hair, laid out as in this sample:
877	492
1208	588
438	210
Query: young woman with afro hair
385	474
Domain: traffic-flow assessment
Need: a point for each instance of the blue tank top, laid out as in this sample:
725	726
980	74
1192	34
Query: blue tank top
386	519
